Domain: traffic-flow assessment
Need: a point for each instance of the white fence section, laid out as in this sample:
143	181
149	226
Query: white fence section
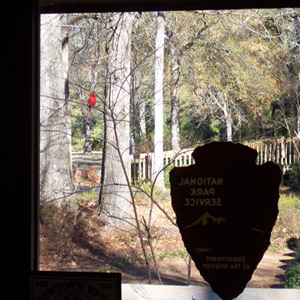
177	158
283	151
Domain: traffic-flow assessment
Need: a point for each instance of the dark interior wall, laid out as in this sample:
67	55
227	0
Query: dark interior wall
19	90
19	124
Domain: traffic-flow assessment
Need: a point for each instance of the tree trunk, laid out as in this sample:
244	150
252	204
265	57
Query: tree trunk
87	113
142	118
88	137
55	131
229	129
116	198
158	102
133	117
175	124
297	118
228	120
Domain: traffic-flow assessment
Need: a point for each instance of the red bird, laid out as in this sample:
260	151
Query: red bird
92	101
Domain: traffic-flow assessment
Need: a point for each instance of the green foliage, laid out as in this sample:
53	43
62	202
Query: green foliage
292	274
77	144
288	221
142	192
294	175
77	124
284	120
91	196
174	254
166	175
216	54
289	201
194	130
97	133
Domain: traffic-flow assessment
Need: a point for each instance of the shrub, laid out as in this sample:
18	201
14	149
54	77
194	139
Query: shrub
292	276
288	221
292	273
291	178
166	175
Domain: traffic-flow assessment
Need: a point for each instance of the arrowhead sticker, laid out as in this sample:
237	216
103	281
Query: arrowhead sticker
226	207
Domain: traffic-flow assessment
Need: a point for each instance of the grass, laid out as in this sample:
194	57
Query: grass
288	221
173	254
288	227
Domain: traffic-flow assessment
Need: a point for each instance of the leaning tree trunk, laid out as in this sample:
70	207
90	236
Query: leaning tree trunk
55	131
158	102
115	193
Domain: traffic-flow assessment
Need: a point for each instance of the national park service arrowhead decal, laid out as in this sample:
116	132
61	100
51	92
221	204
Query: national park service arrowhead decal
226	207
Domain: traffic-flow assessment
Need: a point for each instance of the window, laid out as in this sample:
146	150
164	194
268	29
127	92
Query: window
206	58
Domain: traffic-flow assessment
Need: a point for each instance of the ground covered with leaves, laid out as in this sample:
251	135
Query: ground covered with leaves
73	238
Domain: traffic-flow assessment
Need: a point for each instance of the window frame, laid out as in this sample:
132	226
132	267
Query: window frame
73	6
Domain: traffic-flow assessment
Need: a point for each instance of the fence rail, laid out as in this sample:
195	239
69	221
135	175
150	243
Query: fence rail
177	158
283	151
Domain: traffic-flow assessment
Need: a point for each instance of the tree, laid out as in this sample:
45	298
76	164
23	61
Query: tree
115	196
228	108
283	28
158	101
88	64
285	25
175	76
142	64
55	133
87	129
181	36
230	61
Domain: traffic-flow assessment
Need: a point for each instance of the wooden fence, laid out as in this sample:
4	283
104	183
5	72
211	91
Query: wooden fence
177	158
283	151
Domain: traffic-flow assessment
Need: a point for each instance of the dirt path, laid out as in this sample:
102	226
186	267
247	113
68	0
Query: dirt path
269	273
82	243
88	254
